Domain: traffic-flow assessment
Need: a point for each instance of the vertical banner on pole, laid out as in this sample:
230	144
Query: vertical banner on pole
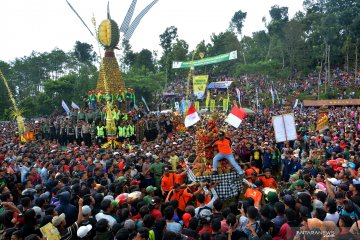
207	102
212	105
199	85
197	105
225	104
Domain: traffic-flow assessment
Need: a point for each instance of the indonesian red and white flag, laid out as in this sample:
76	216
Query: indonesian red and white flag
236	116
192	116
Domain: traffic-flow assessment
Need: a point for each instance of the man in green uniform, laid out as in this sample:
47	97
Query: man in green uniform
157	169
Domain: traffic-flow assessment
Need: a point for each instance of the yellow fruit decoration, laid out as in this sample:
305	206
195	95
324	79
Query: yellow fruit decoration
109	34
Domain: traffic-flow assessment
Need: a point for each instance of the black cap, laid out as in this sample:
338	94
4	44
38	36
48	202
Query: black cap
221	133
155	200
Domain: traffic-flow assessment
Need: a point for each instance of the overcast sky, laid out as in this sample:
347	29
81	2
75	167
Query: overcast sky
42	25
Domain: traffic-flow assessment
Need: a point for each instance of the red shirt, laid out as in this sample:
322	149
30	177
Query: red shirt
209	230
156	214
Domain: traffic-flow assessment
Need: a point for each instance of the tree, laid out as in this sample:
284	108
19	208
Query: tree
237	21
144	59
179	52
84	52
222	43
145	83
167	38
166	42
129	56
5	103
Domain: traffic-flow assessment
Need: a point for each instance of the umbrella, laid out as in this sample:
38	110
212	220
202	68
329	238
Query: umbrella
249	111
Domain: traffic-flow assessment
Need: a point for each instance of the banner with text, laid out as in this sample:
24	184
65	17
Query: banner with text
206	61
199	85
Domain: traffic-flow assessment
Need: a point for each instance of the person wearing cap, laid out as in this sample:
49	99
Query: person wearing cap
223	145
292	181
60	223
167	182
87	218
154	207
157	169
300	187
84	232
150	190
309	167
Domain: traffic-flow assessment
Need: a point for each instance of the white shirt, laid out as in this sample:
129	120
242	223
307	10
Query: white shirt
210	204
332	217
109	218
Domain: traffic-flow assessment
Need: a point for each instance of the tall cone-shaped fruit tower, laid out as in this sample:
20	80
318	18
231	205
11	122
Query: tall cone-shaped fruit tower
110	80
110	74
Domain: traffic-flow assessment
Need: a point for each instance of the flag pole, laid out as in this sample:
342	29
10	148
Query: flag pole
188	82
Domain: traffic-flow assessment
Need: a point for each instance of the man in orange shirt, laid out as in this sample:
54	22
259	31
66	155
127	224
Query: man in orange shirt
179	175
223	145
167	182
255	193
268	180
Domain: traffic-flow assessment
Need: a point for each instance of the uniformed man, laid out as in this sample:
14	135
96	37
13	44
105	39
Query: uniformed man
85	133
121	133
78	134
70	132
63	135
100	133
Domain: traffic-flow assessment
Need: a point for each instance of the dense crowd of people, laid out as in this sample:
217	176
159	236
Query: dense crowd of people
255	89
308	188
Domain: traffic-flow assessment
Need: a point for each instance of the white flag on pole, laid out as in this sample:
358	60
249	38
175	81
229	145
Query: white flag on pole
296	103
144	101
65	107
73	105
272	95
238	95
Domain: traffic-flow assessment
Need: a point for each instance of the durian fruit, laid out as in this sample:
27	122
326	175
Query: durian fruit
109	34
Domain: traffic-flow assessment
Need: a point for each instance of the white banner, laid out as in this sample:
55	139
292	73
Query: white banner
284	127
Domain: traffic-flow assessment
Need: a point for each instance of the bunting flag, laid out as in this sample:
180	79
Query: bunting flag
323	122
137	20
125	24
73	105
192	116
236	116
65	107
272	96
296	103
80	18
144	101
207	101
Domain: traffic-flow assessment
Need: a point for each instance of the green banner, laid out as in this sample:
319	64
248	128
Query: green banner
206	61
